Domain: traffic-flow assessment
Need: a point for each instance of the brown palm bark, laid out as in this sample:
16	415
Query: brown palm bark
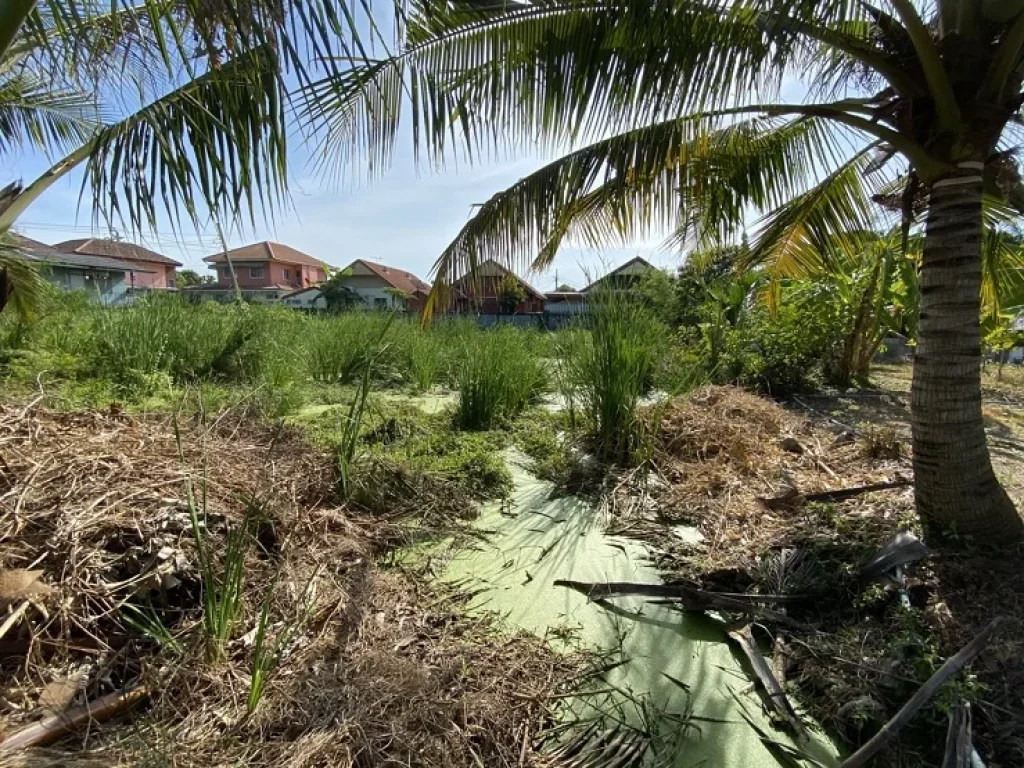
955	485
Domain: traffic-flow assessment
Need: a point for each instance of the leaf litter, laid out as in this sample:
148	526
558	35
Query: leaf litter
378	666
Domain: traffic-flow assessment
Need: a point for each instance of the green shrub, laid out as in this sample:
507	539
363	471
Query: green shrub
498	375
779	353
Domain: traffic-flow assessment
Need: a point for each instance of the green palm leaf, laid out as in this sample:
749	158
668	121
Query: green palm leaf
216	144
794	238
35	114
561	70
22	286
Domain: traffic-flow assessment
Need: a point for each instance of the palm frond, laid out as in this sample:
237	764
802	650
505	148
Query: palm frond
643	181
794	238
1002	271
559	70
35	114
20	281
217	145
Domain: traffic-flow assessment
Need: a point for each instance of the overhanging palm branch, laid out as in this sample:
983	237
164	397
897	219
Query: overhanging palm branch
562	70
21	286
629	185
34	113
176	106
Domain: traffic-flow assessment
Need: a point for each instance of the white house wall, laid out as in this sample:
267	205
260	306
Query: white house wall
111	290
371	288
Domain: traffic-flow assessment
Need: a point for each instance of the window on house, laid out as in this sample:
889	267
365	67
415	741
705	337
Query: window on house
225	273
256	272
380	303
287	274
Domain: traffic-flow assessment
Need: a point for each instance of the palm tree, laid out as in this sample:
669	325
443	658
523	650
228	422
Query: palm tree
172	106
674	116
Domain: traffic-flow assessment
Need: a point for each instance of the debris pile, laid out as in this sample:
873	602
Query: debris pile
751	501
115	531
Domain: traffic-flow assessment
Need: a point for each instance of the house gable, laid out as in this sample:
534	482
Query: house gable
629	273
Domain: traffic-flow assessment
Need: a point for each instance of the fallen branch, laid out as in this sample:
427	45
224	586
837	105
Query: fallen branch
52	728
791	498
777	699
841	494
953	665
693	599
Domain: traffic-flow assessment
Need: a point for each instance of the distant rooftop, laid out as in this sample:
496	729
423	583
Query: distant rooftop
265	251
48	254
114	249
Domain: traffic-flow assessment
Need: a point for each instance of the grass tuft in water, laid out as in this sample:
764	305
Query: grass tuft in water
498	375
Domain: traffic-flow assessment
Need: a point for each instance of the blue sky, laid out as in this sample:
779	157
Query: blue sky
404	218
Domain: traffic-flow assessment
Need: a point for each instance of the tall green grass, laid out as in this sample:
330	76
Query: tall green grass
497	374
421	358
608	370
339	346
166	334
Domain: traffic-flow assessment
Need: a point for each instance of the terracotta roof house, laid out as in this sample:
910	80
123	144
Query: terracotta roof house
371	286
381	286
481	293
265	271
150	270
106	280
623	277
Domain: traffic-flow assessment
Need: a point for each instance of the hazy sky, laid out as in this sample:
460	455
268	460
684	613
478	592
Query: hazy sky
403	219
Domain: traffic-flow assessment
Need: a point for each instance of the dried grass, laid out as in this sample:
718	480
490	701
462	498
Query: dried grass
722	448
384	671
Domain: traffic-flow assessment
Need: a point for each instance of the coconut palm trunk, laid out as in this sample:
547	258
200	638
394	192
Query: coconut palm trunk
954	480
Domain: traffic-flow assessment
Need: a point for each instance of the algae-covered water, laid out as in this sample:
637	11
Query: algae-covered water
537	540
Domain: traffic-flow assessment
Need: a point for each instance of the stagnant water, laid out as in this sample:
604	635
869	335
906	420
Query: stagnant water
534	541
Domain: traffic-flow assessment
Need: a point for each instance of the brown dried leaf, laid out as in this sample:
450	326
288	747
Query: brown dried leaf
18	584
57	695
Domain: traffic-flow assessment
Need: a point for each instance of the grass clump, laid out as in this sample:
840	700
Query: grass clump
338	347
421	359
498	375
609	369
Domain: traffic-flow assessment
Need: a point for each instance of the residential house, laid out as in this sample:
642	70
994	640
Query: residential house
623	277
371	286
105	280
561	306
482	293
149	270
265	272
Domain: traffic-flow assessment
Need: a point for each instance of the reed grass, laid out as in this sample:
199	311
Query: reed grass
610	368
498	375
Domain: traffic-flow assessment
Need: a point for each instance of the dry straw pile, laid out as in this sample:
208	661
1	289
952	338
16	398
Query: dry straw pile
101	591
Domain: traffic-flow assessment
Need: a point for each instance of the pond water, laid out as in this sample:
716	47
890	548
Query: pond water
537	540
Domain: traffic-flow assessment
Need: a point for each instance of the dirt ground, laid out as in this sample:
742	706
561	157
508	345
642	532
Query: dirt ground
742	468
102	582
